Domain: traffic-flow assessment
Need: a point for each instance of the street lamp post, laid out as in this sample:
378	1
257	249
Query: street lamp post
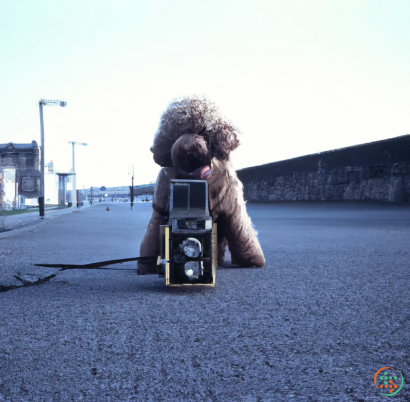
42	102
74	192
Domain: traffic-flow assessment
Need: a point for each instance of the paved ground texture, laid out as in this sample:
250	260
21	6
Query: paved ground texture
330	308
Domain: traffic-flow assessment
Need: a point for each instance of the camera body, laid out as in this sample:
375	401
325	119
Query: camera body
189	241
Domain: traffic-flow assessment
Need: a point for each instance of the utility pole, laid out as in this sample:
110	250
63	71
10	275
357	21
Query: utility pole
42	102
132	188
74	189
41	198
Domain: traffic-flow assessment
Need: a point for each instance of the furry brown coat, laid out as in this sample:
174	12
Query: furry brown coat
192	137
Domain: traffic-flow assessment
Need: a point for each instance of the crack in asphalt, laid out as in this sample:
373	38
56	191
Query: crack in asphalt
25	283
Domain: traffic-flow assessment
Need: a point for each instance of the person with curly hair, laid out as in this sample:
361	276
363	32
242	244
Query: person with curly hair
194	141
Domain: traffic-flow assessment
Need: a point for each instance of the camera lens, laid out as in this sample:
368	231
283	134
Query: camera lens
193	269
192	247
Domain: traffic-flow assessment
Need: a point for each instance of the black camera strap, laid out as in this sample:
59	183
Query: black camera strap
101	264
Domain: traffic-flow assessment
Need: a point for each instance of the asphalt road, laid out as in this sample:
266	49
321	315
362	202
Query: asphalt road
329	309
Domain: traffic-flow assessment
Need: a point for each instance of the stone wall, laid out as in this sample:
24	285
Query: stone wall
377	171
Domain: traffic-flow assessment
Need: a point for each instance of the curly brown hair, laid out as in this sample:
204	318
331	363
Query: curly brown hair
194	115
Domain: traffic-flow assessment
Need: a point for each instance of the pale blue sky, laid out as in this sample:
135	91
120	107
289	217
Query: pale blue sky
297	77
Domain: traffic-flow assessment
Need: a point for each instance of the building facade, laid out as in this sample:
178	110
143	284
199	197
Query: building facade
19	173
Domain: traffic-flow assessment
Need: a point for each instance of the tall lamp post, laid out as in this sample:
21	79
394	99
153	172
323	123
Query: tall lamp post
74	192
42	102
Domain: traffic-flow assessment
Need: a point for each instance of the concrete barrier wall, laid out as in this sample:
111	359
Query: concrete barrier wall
147	189
377	171
122	191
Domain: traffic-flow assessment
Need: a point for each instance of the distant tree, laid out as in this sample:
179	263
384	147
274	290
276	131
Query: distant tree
103	188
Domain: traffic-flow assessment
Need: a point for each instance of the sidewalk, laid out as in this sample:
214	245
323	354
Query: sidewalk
12	223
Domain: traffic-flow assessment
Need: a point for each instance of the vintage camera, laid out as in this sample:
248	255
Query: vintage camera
188	242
